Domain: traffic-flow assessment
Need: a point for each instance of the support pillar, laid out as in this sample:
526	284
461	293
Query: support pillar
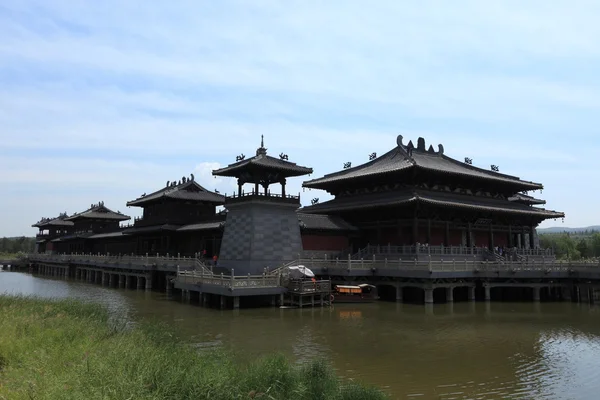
112	280
415	230
531	237
148	282
205	299
523	241
399	294
121	281
429	231
273	300
128	279
536	293
447	234
491	237
584	294
236	302
222	302
566	293
105	278
450	295
469	235
169	287
472	293
428	296
488	293
510	237
139	282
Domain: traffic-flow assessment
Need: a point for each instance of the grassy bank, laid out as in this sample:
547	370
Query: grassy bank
70	350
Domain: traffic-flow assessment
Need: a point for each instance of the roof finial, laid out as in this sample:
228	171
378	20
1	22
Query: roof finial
262	140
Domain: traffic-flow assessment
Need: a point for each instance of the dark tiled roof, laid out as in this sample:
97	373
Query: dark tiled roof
324	222
201	226
107	235
58	221
99	211
85	235
187	191
386	199
400	158
150	229
525	199
263	161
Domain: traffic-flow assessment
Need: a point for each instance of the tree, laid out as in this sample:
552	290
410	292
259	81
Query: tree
583	248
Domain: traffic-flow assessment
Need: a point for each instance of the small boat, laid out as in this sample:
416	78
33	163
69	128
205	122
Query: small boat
363	293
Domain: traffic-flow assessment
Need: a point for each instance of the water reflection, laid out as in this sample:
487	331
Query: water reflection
448	351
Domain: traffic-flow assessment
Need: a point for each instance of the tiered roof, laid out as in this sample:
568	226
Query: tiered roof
324	223
186	189
407	157
411	196
526	199
49	222
262	164
99	211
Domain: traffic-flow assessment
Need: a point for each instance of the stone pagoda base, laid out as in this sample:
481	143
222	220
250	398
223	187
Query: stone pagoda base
260	234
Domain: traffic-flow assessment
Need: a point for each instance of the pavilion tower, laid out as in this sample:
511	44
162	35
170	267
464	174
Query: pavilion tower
262	228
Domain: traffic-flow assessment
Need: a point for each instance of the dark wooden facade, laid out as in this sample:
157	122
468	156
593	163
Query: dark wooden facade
414	195
410	195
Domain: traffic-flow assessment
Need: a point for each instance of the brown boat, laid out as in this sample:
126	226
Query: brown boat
363	293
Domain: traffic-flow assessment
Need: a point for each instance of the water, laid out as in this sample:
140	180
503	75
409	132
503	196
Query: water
460	351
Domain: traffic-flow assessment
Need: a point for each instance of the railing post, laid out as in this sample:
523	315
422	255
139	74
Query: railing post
232	277
453	264
222	279
349	261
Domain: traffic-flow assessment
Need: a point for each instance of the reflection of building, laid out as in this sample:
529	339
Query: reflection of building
410	195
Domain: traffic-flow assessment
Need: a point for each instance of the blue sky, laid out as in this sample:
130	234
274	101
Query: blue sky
106	100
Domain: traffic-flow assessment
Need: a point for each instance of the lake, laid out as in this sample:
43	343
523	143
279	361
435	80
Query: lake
446	351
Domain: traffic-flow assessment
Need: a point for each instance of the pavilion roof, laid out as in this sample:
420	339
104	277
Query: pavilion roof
184	190
324	222
526	199
58	221
262	162
202	226
445	199
406	157
99	211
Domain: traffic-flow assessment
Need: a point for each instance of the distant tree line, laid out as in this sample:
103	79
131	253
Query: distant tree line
573	246
16	245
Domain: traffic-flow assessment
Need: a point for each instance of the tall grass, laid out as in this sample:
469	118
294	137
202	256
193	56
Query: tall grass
69	350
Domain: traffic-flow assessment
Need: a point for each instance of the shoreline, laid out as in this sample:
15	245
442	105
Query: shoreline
67	349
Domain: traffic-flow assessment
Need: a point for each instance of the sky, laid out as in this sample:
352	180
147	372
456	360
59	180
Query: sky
106	100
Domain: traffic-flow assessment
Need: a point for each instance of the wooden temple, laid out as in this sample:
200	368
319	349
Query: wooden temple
409	197
416	195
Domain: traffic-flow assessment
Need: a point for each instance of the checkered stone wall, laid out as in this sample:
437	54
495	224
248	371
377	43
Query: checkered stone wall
259	235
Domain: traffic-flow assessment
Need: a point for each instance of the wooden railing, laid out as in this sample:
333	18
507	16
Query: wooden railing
173	261
448	265
441	250
229	281
321	286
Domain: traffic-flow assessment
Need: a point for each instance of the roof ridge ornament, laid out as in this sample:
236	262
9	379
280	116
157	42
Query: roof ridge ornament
261	150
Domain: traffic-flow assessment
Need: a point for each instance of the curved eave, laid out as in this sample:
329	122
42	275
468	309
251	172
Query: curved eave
330	185
119	218
144	202
237	169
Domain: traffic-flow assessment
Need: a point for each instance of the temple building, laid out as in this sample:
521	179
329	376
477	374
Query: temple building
417	195
50	229
411	195
90	227
262	229
180	218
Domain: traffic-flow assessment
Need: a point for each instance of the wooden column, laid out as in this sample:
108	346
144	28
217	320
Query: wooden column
491	237
256	188
447	234
531	238
469	234
510	237
283	181
415	230
429	231
523	237
240	187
